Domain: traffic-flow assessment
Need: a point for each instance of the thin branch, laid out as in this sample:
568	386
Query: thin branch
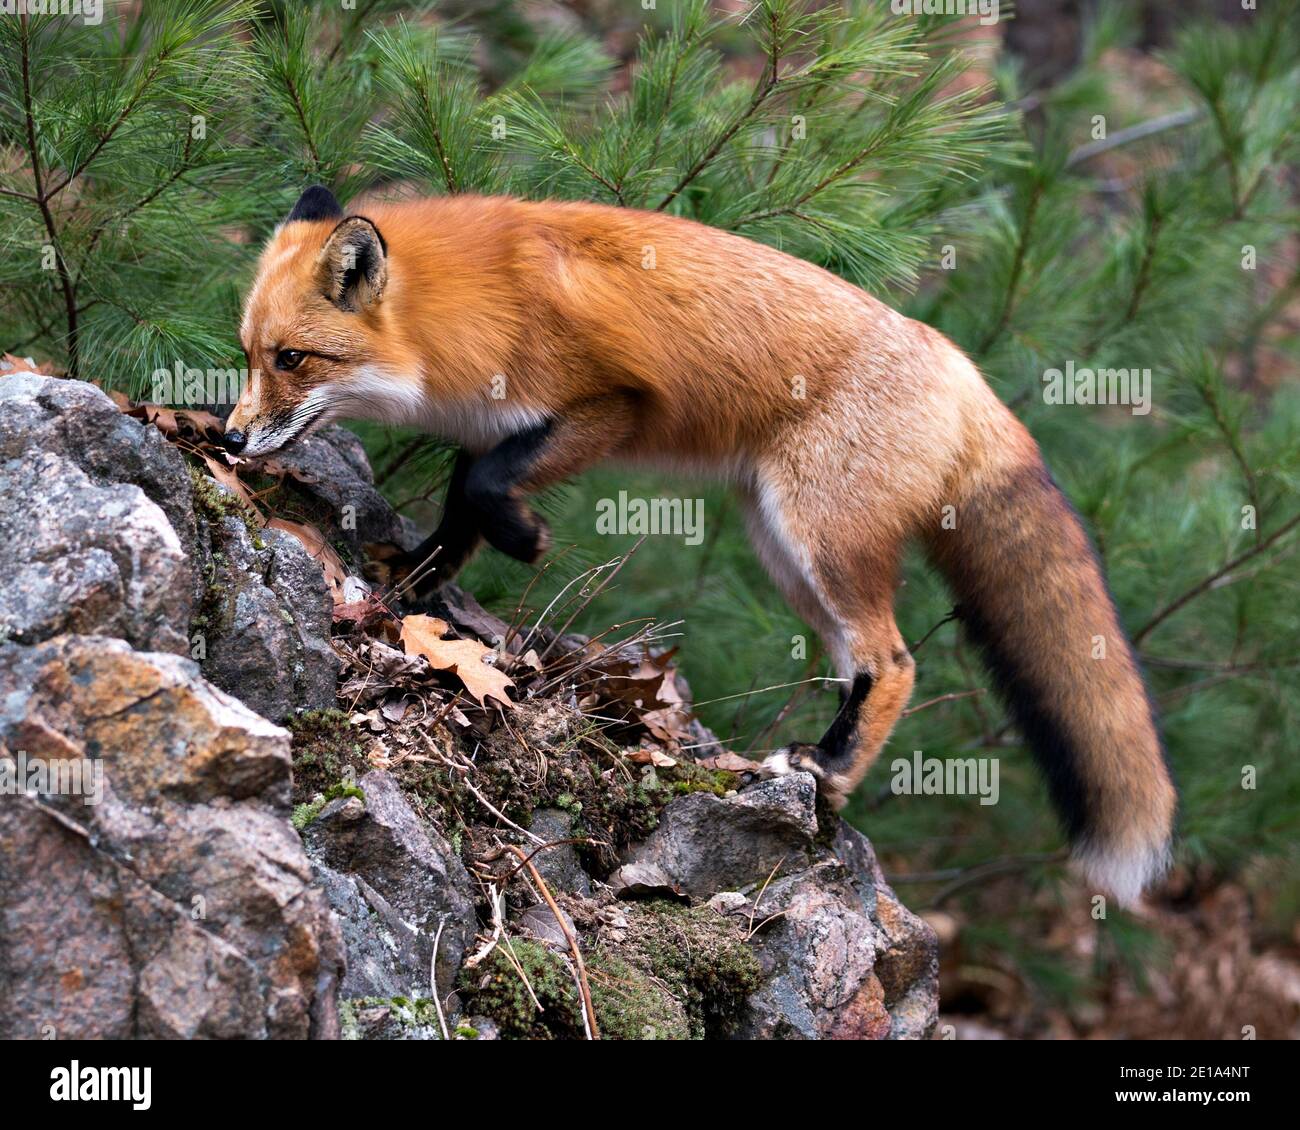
760	96
588	1008
1175	120
292	90
42	201
955	614
994	868
955	696
433	979
143	202
1211	398
1226	668
1017	268
127	110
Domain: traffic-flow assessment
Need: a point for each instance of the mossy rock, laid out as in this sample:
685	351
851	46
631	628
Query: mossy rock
701	958
680	973
631	1006
326	751
304	814
499	993
212	504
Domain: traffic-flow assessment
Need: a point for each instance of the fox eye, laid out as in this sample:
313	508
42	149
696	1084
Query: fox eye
288	359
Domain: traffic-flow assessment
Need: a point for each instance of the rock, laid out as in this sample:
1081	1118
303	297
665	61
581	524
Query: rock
265	622
330	470
482	1028
81	555
818	954
559	865
181	904
729	902
79	422
644	879
841	957
705	844
908	965
393	881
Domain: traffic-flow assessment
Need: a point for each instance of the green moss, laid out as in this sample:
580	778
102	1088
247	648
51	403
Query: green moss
325	748
212	505
631	1006
304	814
698	955
348	1027
680	973
419	1013
498	992
688	777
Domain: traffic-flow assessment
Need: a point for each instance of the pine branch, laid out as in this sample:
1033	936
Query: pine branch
1214	580
762	93
1017	267
43	202
98	232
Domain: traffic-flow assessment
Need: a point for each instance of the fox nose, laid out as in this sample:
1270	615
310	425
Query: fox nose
235	442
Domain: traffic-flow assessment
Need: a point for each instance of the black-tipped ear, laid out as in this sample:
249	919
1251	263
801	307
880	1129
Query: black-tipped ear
317	203
354	265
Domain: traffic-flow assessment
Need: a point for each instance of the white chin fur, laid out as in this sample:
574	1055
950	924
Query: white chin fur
1124	872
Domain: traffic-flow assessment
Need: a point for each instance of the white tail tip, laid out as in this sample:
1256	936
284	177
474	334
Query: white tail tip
1123	871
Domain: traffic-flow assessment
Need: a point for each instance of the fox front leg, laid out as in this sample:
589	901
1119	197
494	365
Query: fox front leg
486	499
565	445
446	551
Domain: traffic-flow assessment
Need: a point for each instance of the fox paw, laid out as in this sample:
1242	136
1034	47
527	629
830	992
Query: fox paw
801	757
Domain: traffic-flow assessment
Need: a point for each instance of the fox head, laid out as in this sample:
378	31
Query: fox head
314	323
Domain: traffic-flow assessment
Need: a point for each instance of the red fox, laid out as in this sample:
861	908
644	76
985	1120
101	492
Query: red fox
544	337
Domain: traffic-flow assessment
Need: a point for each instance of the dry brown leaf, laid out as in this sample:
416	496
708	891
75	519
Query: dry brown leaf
279	469
731	762
655	757
10	364
229	478
421	635
670	724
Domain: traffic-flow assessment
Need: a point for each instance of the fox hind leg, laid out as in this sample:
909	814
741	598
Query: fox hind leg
843	584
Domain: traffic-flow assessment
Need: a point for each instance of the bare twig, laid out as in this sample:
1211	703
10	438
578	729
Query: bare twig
584	987
433	979
954	614
761	892
595	593
465	771
953	697
1150	128
495	899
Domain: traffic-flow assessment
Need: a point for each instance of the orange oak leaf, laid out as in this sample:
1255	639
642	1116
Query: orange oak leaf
422	635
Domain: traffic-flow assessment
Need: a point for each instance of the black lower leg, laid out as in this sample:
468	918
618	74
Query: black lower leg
835	752
493	491
443	553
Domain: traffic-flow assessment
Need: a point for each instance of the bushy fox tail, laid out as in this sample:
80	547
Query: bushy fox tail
1032	597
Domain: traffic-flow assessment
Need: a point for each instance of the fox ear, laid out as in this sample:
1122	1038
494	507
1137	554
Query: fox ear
354	265
317	203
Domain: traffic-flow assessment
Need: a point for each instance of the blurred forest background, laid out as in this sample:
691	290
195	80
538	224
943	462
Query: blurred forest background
1102	184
